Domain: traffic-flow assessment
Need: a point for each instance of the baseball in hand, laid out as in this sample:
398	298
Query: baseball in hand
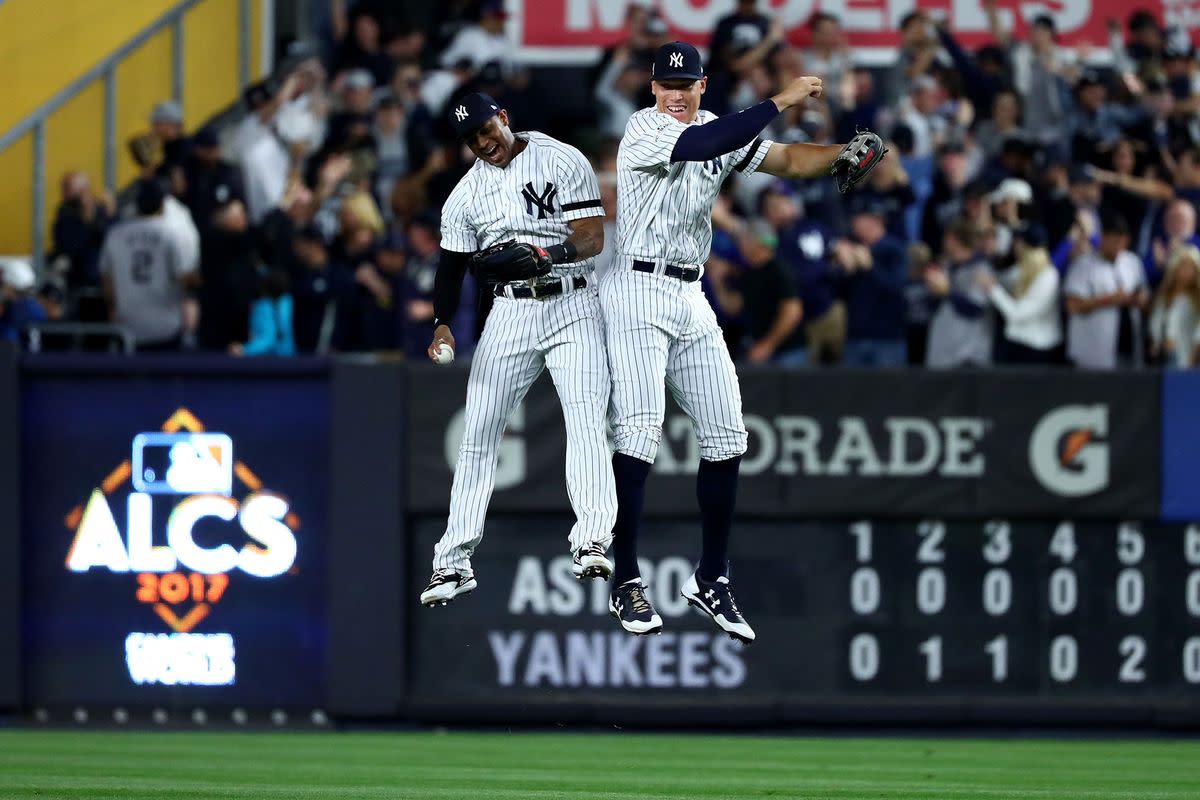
445	353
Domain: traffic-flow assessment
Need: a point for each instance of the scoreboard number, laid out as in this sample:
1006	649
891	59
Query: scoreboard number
931	591
1191	545
864	657
1064	659
998	649
931	648
864	591
1131	592
932	533
999	541
861	531
1133	649
1062	544
1191	660
1131	544
997	592
1192	590
1064	591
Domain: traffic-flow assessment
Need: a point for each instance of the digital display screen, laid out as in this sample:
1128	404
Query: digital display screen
173	540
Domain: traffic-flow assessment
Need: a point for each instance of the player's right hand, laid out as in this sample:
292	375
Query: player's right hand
441	334
798	90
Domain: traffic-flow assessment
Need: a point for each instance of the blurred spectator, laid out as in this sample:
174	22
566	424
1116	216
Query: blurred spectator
418	121
888	189
1179	228
18	304
921	113
1083	231
145	273
441	84
1042	73
771	306
1027	297
270	320
352	120
485	43
1187	175
313	292
1145	43
1011	202
166	123
949	192
416	290
1179	64
982	75
828	55
80	225
919	51
918	303
212	183
1105	293
392	147
1003	124
618	91
876	271
740	41
1129	194
1175	316
359	43
364	296
960	332
229	269
1097	124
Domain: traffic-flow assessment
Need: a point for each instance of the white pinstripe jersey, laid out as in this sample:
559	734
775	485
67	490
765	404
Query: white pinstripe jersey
664	209
532	200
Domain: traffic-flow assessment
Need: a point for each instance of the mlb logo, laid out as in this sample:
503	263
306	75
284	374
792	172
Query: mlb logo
183	463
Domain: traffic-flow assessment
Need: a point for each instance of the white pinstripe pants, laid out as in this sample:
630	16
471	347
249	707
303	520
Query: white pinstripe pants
566	334
662	332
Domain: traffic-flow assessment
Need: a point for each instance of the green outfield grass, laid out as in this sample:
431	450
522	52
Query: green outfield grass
119	764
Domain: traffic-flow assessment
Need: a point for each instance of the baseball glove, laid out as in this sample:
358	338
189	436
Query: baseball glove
510	261
857	159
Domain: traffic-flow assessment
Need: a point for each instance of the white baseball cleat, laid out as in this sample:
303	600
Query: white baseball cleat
590	562
447	585
715	599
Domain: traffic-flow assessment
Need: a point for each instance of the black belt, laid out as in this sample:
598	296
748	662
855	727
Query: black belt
523	291
685	274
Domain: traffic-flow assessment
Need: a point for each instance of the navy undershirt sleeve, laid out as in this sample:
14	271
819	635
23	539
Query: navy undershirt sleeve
447	284
725	134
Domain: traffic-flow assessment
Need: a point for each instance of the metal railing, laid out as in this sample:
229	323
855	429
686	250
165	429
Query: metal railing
106	70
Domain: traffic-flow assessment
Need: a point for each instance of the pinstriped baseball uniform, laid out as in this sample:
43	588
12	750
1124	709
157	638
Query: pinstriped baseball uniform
532	199
661	329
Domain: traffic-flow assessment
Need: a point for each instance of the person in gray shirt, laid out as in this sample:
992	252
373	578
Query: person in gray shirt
1106	294
960	332
146	273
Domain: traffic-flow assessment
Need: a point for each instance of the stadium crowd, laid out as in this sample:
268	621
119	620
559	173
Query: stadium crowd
1034	209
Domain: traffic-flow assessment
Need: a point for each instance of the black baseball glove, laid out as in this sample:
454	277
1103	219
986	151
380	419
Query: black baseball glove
510	261
857	159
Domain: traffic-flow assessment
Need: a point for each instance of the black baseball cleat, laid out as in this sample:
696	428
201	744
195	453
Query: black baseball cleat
446	585
590	562
630	605
715	598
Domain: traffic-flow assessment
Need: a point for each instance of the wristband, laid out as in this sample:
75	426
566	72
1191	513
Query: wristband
563	253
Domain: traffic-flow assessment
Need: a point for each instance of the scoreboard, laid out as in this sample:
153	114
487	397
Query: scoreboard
899	620
1061	610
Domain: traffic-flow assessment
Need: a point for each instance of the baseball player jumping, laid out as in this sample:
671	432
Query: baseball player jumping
527	220
672	160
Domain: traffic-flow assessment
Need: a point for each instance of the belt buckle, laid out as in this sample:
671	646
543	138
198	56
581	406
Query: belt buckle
533	289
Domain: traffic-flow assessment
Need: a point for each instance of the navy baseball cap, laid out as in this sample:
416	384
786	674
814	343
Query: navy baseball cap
677	61
471	112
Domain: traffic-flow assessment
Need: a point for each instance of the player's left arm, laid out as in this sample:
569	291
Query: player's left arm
582	210
849	163
799	160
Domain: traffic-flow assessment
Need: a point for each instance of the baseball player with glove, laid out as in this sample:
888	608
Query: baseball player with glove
527	220
671	163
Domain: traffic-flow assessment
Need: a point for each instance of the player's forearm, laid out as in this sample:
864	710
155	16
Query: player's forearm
447	286
800	160
724	135
586	239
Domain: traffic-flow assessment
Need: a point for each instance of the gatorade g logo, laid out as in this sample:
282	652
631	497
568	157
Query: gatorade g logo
1067	450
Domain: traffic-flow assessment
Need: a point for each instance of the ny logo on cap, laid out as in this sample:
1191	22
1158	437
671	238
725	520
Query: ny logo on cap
677	60
460	113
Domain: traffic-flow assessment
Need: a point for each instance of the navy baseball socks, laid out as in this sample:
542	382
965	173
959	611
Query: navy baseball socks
630	475
716	492
709	589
